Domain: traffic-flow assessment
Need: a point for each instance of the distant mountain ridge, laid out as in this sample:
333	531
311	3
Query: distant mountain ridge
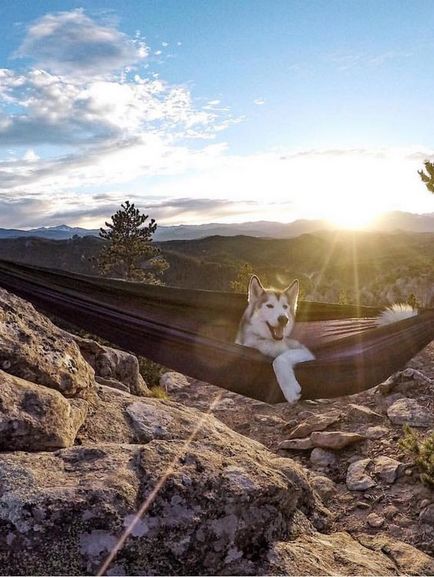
61	232
393	221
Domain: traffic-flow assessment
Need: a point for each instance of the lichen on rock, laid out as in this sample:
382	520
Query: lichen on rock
33	348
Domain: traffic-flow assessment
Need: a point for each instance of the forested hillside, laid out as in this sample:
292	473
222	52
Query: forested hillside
376	268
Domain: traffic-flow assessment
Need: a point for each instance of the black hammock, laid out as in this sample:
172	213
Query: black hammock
193	331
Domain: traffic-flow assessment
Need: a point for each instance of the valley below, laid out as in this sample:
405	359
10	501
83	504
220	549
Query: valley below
372	268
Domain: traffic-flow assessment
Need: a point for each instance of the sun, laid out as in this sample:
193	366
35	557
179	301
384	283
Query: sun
352	217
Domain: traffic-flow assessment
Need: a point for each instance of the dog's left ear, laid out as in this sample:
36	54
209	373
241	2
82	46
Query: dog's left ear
292	294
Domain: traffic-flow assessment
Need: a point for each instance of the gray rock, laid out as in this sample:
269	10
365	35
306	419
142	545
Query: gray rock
374	520
313	423
296	444
323	458
376	432
213	501
324	486
406	559
340	554
150	421
411	412
32	348
172	381
387	468
113	367
362	413
335	439
36	418
224	405
221	497
390	399
271	420
113	384
357	478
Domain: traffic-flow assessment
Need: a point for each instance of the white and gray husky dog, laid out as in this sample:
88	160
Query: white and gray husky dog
267	324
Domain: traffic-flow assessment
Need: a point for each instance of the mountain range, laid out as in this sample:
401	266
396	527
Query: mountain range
393	221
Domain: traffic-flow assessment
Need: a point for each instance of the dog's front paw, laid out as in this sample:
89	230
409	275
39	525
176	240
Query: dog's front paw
291	396
286	378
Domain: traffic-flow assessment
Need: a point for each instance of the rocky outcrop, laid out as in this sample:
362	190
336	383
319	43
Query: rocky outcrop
406	559
340	554
384	496
215	503
33	348
223	500
411	412
113	367
36	418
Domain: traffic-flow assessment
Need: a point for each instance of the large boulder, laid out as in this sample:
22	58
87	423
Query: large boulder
36	418
216	502
113	367
340	554
32	348
211	501
411	412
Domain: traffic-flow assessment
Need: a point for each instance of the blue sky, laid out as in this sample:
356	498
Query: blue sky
223	110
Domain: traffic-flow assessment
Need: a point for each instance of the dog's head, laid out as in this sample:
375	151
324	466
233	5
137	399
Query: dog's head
272	312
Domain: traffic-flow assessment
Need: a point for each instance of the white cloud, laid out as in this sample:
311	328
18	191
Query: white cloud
22	212
166	210
73	43
196	187
60	110
259	101
62	130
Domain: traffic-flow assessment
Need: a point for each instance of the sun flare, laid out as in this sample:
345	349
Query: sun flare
354	217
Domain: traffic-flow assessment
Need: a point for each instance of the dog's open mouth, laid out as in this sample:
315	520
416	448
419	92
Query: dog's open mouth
276	332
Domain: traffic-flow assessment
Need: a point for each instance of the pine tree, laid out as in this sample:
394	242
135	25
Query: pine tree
128	251
241	282
428	176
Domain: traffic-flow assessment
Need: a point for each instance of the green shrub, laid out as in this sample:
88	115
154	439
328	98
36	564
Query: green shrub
422	451
150	371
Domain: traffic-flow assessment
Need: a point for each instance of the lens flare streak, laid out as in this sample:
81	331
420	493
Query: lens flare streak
153	494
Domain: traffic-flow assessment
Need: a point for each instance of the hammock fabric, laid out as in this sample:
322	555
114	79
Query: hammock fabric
193	331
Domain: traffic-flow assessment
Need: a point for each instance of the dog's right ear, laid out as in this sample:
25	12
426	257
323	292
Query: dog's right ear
255	289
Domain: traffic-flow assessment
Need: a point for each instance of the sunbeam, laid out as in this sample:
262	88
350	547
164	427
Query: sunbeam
153	494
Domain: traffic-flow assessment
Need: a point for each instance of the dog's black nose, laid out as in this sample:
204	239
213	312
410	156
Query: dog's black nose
282	320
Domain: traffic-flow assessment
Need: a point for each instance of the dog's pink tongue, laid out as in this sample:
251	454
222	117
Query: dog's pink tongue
278	333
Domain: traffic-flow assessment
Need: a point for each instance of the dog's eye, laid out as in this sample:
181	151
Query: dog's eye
270	306
285	306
